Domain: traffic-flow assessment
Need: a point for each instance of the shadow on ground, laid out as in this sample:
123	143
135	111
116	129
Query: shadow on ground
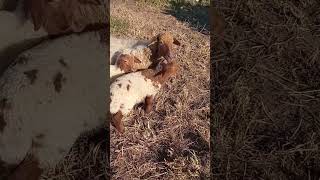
196	14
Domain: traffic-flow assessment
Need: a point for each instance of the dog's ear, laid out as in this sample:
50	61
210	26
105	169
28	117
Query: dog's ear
176	42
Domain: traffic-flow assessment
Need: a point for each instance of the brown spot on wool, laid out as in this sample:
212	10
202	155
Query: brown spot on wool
57	81
31	75
63	63
128	87
119	85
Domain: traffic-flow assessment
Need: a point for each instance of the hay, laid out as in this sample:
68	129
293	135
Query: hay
266	117
172	142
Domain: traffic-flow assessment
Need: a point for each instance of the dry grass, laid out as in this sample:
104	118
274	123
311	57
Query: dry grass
87	159
172	142
267	118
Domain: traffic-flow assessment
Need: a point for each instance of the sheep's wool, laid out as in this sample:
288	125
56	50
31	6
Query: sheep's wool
143	53
129	90
115	72
40	114
118	44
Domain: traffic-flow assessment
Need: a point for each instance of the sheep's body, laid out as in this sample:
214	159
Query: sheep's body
134	87
119	44
52	99
115	72
138	87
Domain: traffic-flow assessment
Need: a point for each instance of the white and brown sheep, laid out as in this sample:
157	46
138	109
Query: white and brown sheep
147	52
48	97
137	87
117	45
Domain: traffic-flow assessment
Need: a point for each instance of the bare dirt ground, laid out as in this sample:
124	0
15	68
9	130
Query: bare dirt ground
266	121
172	142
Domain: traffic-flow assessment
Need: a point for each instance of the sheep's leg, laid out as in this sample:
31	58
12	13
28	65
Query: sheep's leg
148	104
117	121
28	169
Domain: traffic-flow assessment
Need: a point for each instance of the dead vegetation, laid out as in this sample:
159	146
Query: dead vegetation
172	142
267	99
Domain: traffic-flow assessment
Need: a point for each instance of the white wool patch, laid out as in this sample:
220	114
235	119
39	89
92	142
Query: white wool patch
123	99
119	44
39	109
115	72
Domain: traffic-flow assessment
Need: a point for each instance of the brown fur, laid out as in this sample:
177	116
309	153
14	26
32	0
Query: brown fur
162	46
148	104
116	121
61	16
161	77
125	62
